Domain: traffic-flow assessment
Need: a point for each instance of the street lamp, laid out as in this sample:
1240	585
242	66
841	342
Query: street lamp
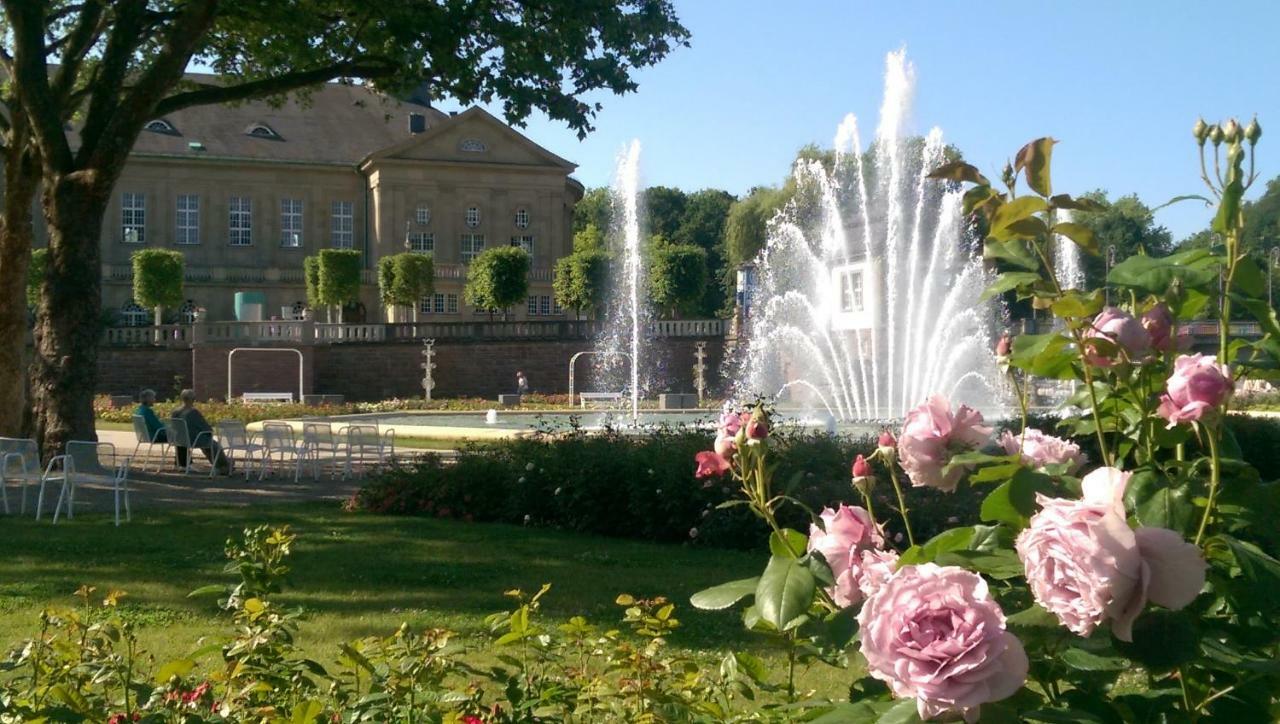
1111	261
408	246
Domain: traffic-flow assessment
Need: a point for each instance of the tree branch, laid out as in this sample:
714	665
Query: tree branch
82	37
112	68
212	94
31	81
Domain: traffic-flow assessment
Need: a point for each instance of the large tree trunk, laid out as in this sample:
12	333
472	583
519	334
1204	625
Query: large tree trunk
21	175
65	368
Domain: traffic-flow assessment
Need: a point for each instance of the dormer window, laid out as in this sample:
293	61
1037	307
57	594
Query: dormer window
160	125
262	130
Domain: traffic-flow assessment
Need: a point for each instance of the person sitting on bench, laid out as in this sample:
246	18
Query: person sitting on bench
155	428
197	427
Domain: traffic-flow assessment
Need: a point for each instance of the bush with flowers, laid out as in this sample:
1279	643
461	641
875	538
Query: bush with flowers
1149	556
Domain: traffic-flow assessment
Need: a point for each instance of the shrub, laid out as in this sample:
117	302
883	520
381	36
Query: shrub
677	276
498	278
158	277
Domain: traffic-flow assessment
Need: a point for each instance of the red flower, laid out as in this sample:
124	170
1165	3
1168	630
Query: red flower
861	468
710	464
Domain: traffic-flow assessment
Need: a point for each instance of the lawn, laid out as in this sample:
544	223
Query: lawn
358	575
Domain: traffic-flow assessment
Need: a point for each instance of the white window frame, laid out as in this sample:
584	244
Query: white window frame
451	303
472	217
468	248
522	218
524	241
544	305
187	219
133	217
342	224
422	215
421	242
531	306
291	223
240	221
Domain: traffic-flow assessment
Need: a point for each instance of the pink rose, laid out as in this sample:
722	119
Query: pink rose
930	434
758	426
1198	384
878	566
887	440
1039	449
1119	328
861	468
1158	321
1004	345
934	633
730	422
725	446
845	533
710	464
1085	565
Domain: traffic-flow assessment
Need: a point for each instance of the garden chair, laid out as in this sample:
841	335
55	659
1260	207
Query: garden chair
146	438
81	464
238	446
20	463
318	438
365	445
179	436
278	439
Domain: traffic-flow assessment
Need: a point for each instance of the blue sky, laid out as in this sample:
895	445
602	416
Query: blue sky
1118	83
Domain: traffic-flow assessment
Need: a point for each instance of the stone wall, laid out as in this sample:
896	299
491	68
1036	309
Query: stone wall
384	370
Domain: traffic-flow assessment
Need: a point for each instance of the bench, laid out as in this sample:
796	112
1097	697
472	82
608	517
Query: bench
584	397
267	397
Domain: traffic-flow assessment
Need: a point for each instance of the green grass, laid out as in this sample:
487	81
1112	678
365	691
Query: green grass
357	575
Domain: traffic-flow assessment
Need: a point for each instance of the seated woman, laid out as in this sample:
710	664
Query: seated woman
155	428
197	427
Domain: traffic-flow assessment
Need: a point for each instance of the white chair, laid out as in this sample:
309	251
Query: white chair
366	445
317	439
80	464
20	463
146	438
238	446
278	439
179	436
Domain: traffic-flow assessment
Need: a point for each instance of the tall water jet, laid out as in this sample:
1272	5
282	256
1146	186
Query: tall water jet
868	285
1066	258
627	313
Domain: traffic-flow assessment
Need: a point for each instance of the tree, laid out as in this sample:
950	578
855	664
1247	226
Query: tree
157	279
414	278
311	275
581	281
338	278
1128	225
589	238
663	210
498	278
702	225
746	229
595	209
115	66
677	277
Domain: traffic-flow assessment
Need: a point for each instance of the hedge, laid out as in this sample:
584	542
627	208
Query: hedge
157	277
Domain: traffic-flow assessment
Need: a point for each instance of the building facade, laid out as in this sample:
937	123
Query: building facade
245	192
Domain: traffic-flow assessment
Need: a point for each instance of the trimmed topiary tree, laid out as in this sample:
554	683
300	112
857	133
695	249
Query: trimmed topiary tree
338	282
498	278
35	275
677	277
311	275
581	280
157	279
413	278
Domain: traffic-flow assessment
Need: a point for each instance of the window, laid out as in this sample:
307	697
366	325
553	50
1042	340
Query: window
187	312
439	304
422	243
522	218
261	130
532	306
134	315
851	292
291	223
299	310
544	305
524	241
472	245
473	217
133	218
540	305
240	221
342	225
188	219
452	300
556	309
160	125
422	215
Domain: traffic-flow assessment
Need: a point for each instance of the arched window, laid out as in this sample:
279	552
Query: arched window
187	312
134	315
422	215
160	125
473	217
522	218
299	310
261	130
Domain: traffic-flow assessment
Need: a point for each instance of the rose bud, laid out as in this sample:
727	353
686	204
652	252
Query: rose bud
1200	131
1215	134
861	468
758	426
1231	131
1253	132
1004	345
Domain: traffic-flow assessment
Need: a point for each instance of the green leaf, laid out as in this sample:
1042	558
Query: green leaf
1018	209
1062	716
1008	281
1000	565
1079	233
305	712
959	171
948	540
1047	355
1033	159
1162	640
1249	278
978	197
1086	661
1156	504
1180	199
1011	251
784	592
792	543
1014	502
177	667
1197	269
753	666
1034	617
1255	565
820	568
1075	303
904	711
724	595
1065	201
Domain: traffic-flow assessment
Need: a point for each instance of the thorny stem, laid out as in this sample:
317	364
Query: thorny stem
902	504
1215	476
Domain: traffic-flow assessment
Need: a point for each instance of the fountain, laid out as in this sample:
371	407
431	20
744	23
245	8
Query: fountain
1066	258
867	295
627	310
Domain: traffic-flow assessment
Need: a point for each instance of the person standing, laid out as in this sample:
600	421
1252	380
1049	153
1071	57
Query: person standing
522	384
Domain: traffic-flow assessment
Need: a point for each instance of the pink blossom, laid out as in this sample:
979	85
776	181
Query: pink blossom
845	533
1004	345
731	422
935	633
930	434
1039	449
1158	321
1198	385
1119	328
725	446
710	464
758	426
1085	565
878	566
887	440
861	468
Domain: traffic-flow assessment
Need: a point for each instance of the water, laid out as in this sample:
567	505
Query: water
1066	257
867	299
405	422
627	307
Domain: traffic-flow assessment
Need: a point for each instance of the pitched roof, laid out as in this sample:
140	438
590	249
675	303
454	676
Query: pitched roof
477	115
337	124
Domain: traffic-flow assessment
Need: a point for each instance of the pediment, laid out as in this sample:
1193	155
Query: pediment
473	137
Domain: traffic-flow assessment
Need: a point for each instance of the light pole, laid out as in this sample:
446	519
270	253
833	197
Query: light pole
428	367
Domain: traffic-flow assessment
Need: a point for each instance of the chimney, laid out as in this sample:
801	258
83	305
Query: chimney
417	123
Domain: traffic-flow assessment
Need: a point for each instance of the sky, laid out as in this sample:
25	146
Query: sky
1118	83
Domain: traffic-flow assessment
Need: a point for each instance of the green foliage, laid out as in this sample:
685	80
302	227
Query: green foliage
581	281
746	228
677	276
157	277
1126	224
664	209
37	270
498	278
338	277
595	209
386	279
405	278
589	238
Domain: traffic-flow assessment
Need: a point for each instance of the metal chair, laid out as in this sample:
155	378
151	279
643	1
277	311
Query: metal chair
19	462
144	437
365	444
278	439
80	464
237	445
317	438
179	436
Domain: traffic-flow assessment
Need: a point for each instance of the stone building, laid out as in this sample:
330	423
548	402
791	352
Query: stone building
247	191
